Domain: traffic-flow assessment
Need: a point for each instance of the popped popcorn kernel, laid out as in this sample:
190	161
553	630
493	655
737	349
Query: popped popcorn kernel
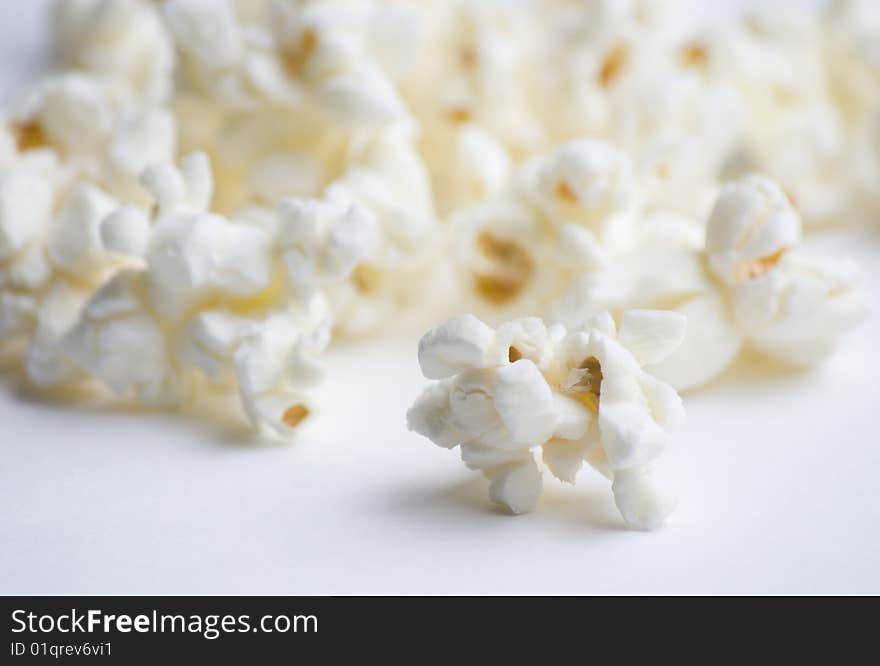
500	401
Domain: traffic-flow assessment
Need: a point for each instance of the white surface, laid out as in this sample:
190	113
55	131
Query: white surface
778	477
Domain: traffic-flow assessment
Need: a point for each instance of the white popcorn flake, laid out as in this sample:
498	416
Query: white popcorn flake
74	243
140	300
750	239
25	210
587	181
17	313
642	504
46	363
517	487
750	227
211	340
561	216
124	347
525	403
581	395
651	335
322	241
206	31
76	112
711	343
139	138
479	168
281	175
122	40
126	231
454	345
432	418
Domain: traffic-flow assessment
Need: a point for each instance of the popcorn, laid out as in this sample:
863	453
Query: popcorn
471	79
580	395
796	131
560	216
97	130
386	176
478	168
787	305
26	199
587	182
119	341
749	284
321	242
670	126
119	40
272	393
51	258
352	141
238	302
295	55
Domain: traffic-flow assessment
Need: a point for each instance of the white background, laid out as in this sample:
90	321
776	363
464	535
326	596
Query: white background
778	476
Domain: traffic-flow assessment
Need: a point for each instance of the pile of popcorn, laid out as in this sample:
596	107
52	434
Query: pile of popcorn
204	193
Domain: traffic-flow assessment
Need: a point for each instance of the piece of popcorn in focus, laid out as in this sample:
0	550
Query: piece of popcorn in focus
750	284
578	395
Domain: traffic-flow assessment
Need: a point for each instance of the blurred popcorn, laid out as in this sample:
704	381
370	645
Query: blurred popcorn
372	159
559	216
749	283
122	41
240	304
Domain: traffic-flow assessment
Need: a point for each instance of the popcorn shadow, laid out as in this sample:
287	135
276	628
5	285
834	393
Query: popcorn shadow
582	507
751	369
214	422
572	508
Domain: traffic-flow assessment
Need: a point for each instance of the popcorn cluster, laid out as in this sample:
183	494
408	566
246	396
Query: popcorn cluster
748	283
341	162
580	395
